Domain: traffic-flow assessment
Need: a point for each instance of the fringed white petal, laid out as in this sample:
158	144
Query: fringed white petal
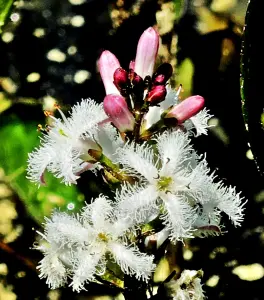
52	268
200	183
38	160
178	217
131	261
134	206
66	141
174	151
98	213
109	139
232	204
65	229
85	267
85	117
199	122
138	160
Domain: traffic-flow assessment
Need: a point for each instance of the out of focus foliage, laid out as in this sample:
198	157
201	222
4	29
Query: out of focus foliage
18	141
5	9
48	53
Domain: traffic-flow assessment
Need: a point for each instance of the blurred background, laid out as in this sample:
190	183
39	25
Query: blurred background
48	54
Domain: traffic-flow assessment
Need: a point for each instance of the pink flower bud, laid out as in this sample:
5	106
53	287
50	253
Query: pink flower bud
186	109
115	107
147	50
120	78
157	94
107	65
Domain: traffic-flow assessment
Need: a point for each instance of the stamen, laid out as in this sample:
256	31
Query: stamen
179	90
47	113
57	106
41	129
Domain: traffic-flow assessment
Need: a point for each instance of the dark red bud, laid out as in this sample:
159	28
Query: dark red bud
135	78
120	78
162	74
157	94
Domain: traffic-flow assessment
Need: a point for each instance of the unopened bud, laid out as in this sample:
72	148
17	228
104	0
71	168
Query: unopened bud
120	78
162	74
107	65
147	50
134	78
186	109
157	94
116	108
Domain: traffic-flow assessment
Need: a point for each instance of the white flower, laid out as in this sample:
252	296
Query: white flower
84	241
63	150
51	266
187	287
175	183
155	112
165	180
199	122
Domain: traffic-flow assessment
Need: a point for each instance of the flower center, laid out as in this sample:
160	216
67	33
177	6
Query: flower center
103	237
163	183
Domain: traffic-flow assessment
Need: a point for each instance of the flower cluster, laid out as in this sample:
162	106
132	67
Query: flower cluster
140	138
77	246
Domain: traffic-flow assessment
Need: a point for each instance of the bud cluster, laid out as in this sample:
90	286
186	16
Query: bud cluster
130	94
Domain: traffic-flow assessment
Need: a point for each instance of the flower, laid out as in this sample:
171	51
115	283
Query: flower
187	287
186	109
116	108
64	147
147	50
199	122
176	183
79	244
107	64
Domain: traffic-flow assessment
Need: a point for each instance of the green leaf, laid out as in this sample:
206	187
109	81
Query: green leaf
17	140
5	10
252	78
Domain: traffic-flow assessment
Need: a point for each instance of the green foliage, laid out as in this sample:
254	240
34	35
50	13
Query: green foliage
179	5
17	140
252	64
5	10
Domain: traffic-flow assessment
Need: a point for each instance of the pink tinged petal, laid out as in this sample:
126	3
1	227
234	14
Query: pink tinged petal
116	108
147	50
107	65
186	109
